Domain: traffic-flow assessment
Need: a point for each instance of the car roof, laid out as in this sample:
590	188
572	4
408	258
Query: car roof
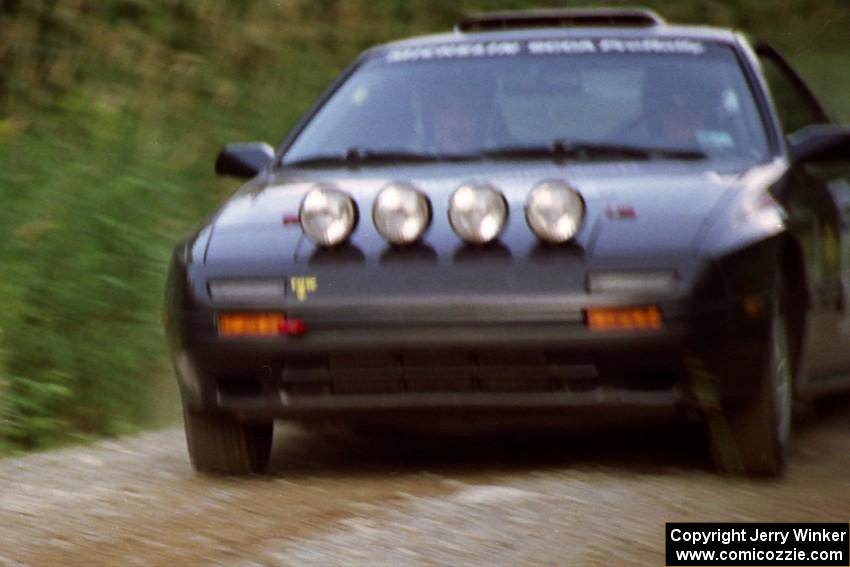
660	31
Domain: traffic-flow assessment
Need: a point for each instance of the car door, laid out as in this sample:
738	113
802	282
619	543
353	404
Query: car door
817	200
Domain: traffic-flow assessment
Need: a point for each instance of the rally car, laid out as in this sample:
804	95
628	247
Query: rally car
539	215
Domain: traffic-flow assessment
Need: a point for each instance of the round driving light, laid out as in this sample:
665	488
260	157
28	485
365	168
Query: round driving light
327	216
401	213
477	212
554	211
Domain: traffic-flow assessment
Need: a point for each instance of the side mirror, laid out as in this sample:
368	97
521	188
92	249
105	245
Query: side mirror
820	142
243	160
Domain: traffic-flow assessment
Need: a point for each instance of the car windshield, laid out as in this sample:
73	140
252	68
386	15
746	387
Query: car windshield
620	99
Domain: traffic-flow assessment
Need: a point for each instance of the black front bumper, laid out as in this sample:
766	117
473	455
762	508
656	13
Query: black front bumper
344	367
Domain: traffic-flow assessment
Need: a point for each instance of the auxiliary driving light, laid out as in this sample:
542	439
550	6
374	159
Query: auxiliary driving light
401	213
477	212
554	211
327	216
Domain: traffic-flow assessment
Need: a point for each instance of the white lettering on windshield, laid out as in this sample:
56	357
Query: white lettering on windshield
545	47
455	50
685	46
554	47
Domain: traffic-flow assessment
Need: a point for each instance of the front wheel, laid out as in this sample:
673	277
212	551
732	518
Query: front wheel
220	444
753	439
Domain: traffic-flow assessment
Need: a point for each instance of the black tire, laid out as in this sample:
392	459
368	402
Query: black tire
753	440
221	444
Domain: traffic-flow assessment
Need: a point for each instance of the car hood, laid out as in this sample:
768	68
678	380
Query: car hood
634	210
639	216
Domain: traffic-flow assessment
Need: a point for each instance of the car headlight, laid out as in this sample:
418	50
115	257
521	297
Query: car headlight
477	212
401	213
554	211
327	216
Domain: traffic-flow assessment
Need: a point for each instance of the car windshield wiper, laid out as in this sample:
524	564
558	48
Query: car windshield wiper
354	156
568	149
564	149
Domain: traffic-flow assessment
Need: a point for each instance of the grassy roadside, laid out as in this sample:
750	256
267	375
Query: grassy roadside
111	113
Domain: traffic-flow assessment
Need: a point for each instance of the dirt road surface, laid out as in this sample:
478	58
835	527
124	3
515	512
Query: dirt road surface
349	498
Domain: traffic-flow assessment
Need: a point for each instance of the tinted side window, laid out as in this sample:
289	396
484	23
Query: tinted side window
794	109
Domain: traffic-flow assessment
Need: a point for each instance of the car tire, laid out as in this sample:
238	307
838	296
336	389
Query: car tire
753	440
221	444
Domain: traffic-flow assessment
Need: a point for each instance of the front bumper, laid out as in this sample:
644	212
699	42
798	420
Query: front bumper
531	358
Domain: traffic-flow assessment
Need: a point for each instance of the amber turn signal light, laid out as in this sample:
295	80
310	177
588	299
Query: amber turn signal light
258	325
624	319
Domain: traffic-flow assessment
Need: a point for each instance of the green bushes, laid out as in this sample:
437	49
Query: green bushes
111	112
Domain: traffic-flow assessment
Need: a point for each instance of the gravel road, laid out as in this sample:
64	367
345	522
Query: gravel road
348	498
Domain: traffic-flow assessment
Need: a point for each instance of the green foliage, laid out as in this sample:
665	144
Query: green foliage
111	112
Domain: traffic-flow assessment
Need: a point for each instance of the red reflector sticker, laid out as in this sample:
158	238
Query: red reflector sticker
621	212
293	327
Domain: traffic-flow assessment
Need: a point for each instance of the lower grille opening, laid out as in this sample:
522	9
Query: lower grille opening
645	379
239	387
439	385
515	384
307	389
355	387
582	384
468	372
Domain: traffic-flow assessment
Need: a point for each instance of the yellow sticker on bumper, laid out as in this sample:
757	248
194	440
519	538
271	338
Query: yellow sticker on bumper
302	286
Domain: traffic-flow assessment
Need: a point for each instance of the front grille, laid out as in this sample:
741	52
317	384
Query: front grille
437	372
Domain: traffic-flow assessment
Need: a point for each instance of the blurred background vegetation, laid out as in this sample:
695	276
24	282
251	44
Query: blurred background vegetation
111	113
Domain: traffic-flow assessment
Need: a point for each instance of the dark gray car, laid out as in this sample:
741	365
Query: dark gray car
543	215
